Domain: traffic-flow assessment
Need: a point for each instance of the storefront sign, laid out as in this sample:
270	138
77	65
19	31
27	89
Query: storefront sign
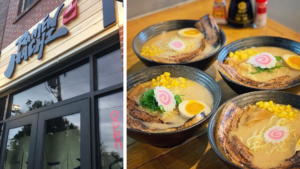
116	124
42	35
70	13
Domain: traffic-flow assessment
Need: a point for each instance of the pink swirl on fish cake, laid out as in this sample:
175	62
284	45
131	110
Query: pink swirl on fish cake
263	59
164	97
176	44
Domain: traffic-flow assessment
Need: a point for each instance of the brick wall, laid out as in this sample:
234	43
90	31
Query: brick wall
14	29
3	13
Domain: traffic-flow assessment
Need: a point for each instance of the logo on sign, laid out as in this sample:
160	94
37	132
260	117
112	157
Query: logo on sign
70	13
42	35
116	124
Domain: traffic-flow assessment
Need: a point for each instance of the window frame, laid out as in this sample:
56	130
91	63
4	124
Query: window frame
90	55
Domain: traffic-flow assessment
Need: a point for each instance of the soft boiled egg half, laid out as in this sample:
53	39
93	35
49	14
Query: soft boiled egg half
190	108
190	33
298	145
292	61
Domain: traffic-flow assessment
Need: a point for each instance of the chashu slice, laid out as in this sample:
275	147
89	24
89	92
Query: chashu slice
233	147
137	117
276	83
208	26
134	111
291	163
138	125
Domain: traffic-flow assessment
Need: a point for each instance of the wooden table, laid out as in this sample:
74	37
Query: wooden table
195	152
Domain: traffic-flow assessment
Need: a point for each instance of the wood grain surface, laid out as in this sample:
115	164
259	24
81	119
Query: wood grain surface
195	152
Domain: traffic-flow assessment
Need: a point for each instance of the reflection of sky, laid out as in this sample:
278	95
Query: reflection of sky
74	118
109	69
108	104
75	83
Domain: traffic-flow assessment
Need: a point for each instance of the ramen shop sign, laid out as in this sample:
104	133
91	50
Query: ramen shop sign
34	43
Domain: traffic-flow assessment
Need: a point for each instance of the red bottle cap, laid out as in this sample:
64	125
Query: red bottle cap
261	1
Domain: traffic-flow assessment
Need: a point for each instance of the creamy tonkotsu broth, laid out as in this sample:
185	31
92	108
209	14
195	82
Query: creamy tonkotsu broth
159	47
186	89
270	131
239	62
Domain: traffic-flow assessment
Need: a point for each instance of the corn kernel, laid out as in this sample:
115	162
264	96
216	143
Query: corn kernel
162	76
270	109
291	113
153	80
281	115
154	84
167	74
157	78
292	119
231	54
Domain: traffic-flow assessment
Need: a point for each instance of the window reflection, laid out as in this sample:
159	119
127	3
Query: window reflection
109	70
111	130
2	107
62	142
17	148
62	87
1	131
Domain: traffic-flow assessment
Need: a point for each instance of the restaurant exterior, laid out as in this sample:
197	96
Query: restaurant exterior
61	85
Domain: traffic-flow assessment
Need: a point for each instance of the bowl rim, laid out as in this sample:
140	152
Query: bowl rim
249	87
212	123
213	111
141	57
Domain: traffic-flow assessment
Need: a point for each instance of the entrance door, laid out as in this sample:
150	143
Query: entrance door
59	138
19	143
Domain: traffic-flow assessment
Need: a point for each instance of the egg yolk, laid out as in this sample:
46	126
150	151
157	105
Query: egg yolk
294	61
194	107
191	32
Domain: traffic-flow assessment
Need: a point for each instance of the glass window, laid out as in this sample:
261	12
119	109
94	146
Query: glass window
26	4
2	107
17	147
62	87
62	142
109	70
1	131
111	130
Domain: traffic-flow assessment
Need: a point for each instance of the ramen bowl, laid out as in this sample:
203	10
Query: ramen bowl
166	26
243	100
257	41
173	138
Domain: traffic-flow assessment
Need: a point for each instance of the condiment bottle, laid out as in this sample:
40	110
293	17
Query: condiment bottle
219	12
240	14
261	13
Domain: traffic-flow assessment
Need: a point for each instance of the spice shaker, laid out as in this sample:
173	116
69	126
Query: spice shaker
219	12
261	13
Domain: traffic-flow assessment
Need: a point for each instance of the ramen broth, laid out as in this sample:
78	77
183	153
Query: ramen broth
160	42
268	155
245	69
192	92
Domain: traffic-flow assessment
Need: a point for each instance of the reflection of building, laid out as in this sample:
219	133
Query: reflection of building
61	85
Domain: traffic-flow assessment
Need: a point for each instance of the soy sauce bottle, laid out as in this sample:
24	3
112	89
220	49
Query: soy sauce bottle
240	14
